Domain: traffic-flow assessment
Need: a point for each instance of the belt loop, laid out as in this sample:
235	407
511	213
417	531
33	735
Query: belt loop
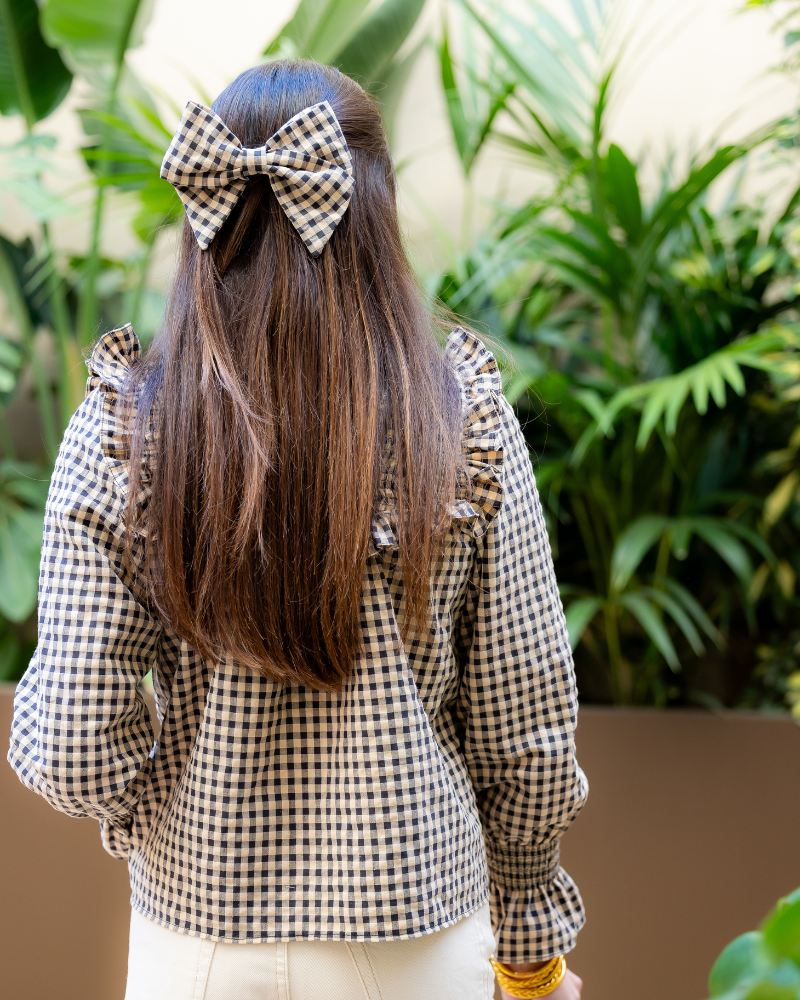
204	955
359	952
281	969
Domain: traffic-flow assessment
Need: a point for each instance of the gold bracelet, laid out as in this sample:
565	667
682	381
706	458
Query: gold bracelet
528	985
535	978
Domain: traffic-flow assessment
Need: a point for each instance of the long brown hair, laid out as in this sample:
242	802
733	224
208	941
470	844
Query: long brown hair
274	386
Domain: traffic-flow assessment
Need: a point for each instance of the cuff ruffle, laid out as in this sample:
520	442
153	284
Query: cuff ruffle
536	924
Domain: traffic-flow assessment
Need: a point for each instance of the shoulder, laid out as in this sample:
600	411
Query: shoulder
93	457
498	459
483	435
475	368
111	359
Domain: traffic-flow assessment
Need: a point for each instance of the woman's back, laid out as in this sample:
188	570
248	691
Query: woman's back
361	665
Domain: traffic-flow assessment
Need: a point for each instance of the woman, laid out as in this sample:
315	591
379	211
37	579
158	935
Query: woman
322	535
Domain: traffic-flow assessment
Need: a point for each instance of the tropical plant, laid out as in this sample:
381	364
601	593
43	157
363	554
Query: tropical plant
762	964
56	304
648	335
364	40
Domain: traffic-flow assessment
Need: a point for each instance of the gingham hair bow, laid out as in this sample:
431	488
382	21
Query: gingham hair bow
307	161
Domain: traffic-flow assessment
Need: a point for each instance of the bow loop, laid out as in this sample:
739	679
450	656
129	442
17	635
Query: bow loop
307	161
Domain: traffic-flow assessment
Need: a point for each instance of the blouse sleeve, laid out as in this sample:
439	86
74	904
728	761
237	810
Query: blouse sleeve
518	705
81	734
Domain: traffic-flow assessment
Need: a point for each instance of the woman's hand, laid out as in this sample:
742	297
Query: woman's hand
568	989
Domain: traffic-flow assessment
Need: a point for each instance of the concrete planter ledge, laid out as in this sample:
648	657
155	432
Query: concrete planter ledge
688	838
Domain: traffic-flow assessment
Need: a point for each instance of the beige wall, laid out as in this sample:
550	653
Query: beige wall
688	838
705	70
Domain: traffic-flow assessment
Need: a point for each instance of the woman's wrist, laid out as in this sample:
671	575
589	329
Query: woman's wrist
529	979
521	967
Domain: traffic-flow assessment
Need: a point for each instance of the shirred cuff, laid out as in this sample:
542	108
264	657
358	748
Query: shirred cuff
536	924
519	867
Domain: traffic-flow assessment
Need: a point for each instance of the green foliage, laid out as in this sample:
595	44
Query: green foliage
33	77
763	964
474	103
368	53
628	317
95	33
363	40
23	491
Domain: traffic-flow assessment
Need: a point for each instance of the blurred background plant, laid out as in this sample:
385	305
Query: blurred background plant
651	340
653	360
762	964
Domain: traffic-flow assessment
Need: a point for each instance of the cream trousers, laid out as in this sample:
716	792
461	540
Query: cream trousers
452	964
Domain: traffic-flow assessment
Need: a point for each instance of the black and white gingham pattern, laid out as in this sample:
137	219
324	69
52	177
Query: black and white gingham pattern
307	161
269	811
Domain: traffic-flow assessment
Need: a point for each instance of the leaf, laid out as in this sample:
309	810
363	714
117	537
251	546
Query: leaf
578	616
25	481
367	55
149	150
787	578
11	286
42	204
455	107
571	121
646	615
673	204
780	498
632	545
20	546
583	19
782	931
741	960
660	400
591	401
95	32
622	191
9	656
160	206
758	583
9	354
728	548
678	615
664	397
318	29
753	538
695	609
33	77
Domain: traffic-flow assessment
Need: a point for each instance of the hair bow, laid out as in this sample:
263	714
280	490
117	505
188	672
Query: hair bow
307	161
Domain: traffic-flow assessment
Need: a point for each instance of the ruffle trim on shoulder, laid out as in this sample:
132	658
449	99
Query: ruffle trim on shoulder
109	365
481	385
479	493
113	355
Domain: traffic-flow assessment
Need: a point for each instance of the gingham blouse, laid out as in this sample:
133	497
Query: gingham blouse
269	811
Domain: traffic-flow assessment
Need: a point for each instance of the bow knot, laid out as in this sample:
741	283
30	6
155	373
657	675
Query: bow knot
307	161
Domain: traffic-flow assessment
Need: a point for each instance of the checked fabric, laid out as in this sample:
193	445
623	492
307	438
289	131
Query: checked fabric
443	773
307	161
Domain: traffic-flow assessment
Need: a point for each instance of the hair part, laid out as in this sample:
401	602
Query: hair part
280	387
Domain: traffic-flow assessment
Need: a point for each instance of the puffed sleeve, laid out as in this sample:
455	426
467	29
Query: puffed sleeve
81	734
517	698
